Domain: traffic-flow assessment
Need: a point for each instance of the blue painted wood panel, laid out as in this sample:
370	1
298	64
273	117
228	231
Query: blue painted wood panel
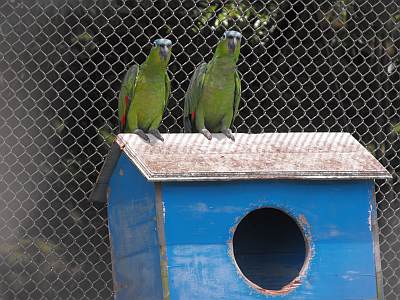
133	233
199	218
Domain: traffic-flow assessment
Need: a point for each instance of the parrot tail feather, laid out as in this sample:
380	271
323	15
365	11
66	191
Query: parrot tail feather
123	121
187	124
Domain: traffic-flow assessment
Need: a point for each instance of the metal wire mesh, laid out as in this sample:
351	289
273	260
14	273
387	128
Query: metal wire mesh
306	66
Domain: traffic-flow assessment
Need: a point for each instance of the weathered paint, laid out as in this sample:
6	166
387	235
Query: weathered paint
199	216
132	220
161	239
375	232
190	157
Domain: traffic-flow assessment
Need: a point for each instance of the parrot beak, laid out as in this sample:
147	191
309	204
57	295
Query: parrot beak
164	51
232	43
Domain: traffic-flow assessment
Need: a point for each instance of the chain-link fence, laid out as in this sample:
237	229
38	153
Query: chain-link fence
318	65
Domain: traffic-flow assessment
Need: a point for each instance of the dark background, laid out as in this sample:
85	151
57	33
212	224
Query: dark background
305	66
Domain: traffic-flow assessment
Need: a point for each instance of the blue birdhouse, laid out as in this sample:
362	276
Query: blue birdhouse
269	216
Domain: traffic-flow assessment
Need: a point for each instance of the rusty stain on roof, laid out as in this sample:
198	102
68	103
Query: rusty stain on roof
189	157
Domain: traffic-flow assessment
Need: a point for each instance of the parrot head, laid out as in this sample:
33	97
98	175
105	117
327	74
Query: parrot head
162	50
229	44
233	39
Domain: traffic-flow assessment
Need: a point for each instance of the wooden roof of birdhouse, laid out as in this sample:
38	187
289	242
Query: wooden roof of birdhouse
191	157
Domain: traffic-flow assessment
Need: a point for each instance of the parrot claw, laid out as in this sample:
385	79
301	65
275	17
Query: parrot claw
143	135
157	134
228	133
206	133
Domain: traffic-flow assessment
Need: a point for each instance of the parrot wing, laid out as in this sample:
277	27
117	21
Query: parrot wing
238	90
193	95
167	89
126	94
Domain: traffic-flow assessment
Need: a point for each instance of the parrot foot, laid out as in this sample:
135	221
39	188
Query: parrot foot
206	133
228	133
156	133
143	135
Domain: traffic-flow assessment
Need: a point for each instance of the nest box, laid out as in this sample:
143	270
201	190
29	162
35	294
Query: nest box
269	216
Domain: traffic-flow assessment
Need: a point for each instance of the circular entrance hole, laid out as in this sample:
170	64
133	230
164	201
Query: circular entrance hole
269	248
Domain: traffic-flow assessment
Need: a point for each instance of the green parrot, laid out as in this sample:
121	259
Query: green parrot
213	96
144	93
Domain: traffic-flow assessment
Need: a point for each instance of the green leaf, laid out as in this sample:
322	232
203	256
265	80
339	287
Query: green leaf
58	125
82	38
107	135
371	147
396	128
